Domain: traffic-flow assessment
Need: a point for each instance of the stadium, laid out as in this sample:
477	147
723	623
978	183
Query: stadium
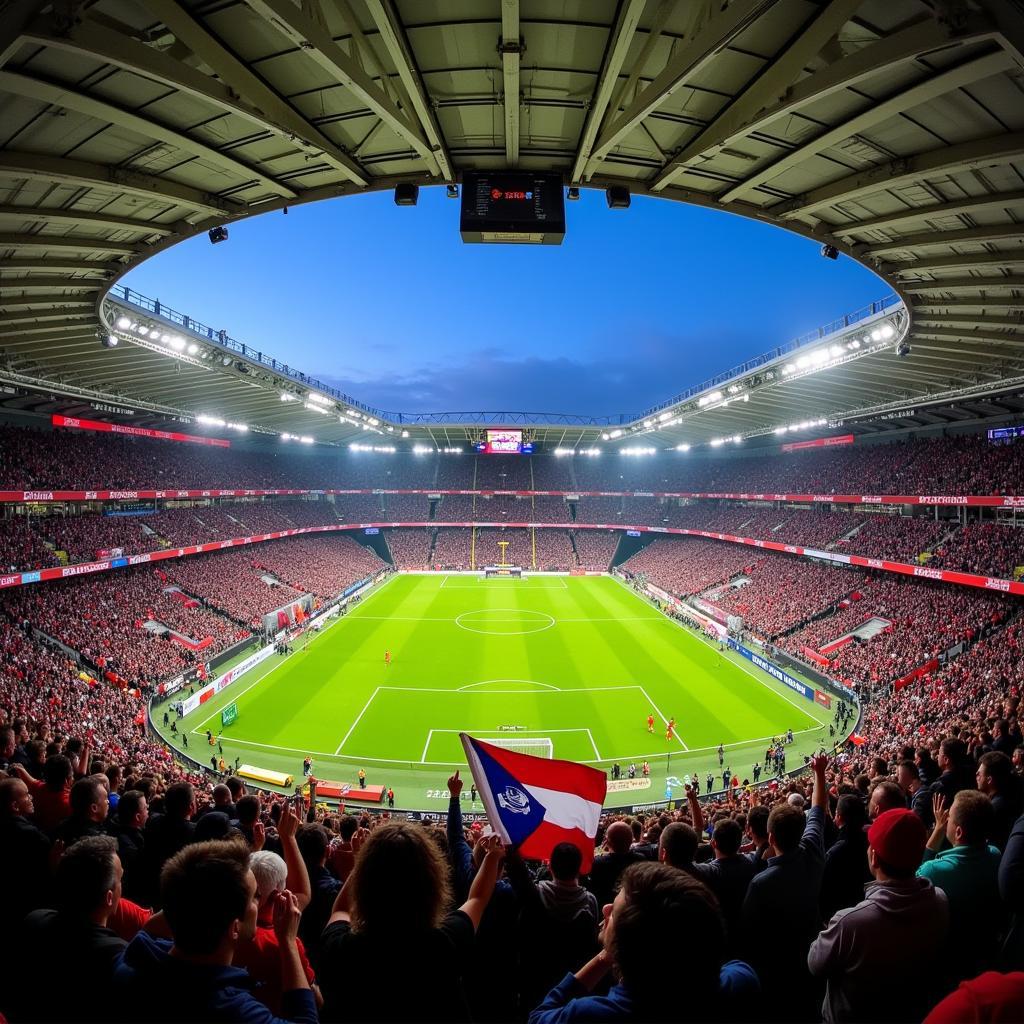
533	708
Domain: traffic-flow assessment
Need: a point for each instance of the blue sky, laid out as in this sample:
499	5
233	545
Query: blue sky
388	304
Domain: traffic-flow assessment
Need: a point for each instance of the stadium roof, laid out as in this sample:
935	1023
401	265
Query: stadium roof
892	130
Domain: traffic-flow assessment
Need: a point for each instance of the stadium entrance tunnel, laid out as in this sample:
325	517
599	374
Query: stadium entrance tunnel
505	621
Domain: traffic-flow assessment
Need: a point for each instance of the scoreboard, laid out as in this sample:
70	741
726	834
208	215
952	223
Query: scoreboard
504	442
512	206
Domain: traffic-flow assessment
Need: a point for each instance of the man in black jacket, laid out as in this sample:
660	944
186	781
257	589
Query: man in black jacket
24	853
604	874
127	827
166	834
995	778
846	860
90	803
74	937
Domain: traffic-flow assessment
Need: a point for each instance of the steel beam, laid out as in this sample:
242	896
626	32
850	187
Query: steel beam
765	88
985	233
510	48
967	318
992	302
691	58
978	284
75	218
118	179
614	57
875	113
15	17
24	284
392	35
45	265
953	208
318	45
957	262
64	95
239	91
65	243
989	151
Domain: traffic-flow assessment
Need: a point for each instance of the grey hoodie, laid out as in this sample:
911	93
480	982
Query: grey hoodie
881	957
564	903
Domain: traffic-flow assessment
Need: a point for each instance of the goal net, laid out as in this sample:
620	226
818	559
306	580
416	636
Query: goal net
508	571
536	746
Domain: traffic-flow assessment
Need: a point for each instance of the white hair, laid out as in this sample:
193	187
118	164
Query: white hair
270	872
796	800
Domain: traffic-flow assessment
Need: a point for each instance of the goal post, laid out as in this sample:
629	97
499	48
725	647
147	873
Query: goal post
537	746
503	571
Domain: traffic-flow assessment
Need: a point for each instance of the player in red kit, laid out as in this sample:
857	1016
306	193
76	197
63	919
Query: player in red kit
650	723
669	732
387	657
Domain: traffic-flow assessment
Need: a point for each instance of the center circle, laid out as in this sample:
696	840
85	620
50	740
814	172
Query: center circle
505	621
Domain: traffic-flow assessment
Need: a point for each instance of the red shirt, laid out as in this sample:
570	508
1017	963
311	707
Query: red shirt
262	959
51	807
991	998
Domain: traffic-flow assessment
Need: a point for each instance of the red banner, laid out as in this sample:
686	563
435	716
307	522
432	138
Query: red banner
149	493
120	428
818	442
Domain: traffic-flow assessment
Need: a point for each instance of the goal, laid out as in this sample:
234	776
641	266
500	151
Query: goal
508	571
536	746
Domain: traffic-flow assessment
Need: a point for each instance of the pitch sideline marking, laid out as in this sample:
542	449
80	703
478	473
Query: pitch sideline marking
356	722
273	668
739	665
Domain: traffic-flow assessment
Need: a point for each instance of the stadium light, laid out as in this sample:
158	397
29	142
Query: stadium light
210	421
421	449
123	323
316	408
318	399
193	349
682	447
218	234
109	340
305	439
717	442
405	433
452	191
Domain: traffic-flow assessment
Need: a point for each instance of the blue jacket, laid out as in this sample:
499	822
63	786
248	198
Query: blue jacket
153	985
568	1001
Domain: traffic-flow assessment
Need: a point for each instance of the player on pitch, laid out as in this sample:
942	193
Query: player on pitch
650	722
670	730
387	657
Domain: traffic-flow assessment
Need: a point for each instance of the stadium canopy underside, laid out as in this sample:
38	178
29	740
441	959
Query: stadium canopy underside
892	130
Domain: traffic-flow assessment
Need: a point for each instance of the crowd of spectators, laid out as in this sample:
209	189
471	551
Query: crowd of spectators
410	548
992	549
554	551
321	565
897	538
595	549
685	566
103	618
452	549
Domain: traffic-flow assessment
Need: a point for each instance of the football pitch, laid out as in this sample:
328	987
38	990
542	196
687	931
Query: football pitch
577	661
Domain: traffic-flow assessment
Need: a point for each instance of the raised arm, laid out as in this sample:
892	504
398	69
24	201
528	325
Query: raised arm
459	853
298	877
482	889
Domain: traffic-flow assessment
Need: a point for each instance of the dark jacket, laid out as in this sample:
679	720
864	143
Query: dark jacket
24	853
85	954
131	844
846	872
780	919
164	836
605	872
324	888
1011	891
151	985
729	878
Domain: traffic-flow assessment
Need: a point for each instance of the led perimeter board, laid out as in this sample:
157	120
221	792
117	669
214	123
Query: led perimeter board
512	206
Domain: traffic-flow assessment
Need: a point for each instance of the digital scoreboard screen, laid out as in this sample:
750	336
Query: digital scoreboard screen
1005	433
512	206
504	442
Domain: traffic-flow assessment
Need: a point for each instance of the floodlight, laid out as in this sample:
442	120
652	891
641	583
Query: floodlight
123	323
903	350
573	194
108	341
406	194
830	252
453	191
218	234
617	197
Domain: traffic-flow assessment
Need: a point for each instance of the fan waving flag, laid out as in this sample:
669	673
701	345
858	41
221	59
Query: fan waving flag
535	803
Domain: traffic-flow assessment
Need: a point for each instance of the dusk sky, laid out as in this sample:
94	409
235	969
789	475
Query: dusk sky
388	304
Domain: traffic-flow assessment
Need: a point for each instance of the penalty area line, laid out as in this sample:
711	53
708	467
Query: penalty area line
356	722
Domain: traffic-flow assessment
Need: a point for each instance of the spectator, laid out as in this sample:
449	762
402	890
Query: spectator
262	955
996	779
846	860
728	877
393	909
968	874
605	871
24	861
998	998
879	957
917	794
559	923
165	835
75	937
127	827
780	913
886	796
89	805
209	896
662	920
313	841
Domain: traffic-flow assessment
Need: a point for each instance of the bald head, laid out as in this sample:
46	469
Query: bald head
618	837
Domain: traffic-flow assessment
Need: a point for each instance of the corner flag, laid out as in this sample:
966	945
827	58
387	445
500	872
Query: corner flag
535	803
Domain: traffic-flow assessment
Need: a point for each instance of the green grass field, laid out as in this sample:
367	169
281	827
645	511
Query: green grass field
581	661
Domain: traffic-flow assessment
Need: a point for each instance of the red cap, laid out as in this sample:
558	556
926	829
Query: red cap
898	837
